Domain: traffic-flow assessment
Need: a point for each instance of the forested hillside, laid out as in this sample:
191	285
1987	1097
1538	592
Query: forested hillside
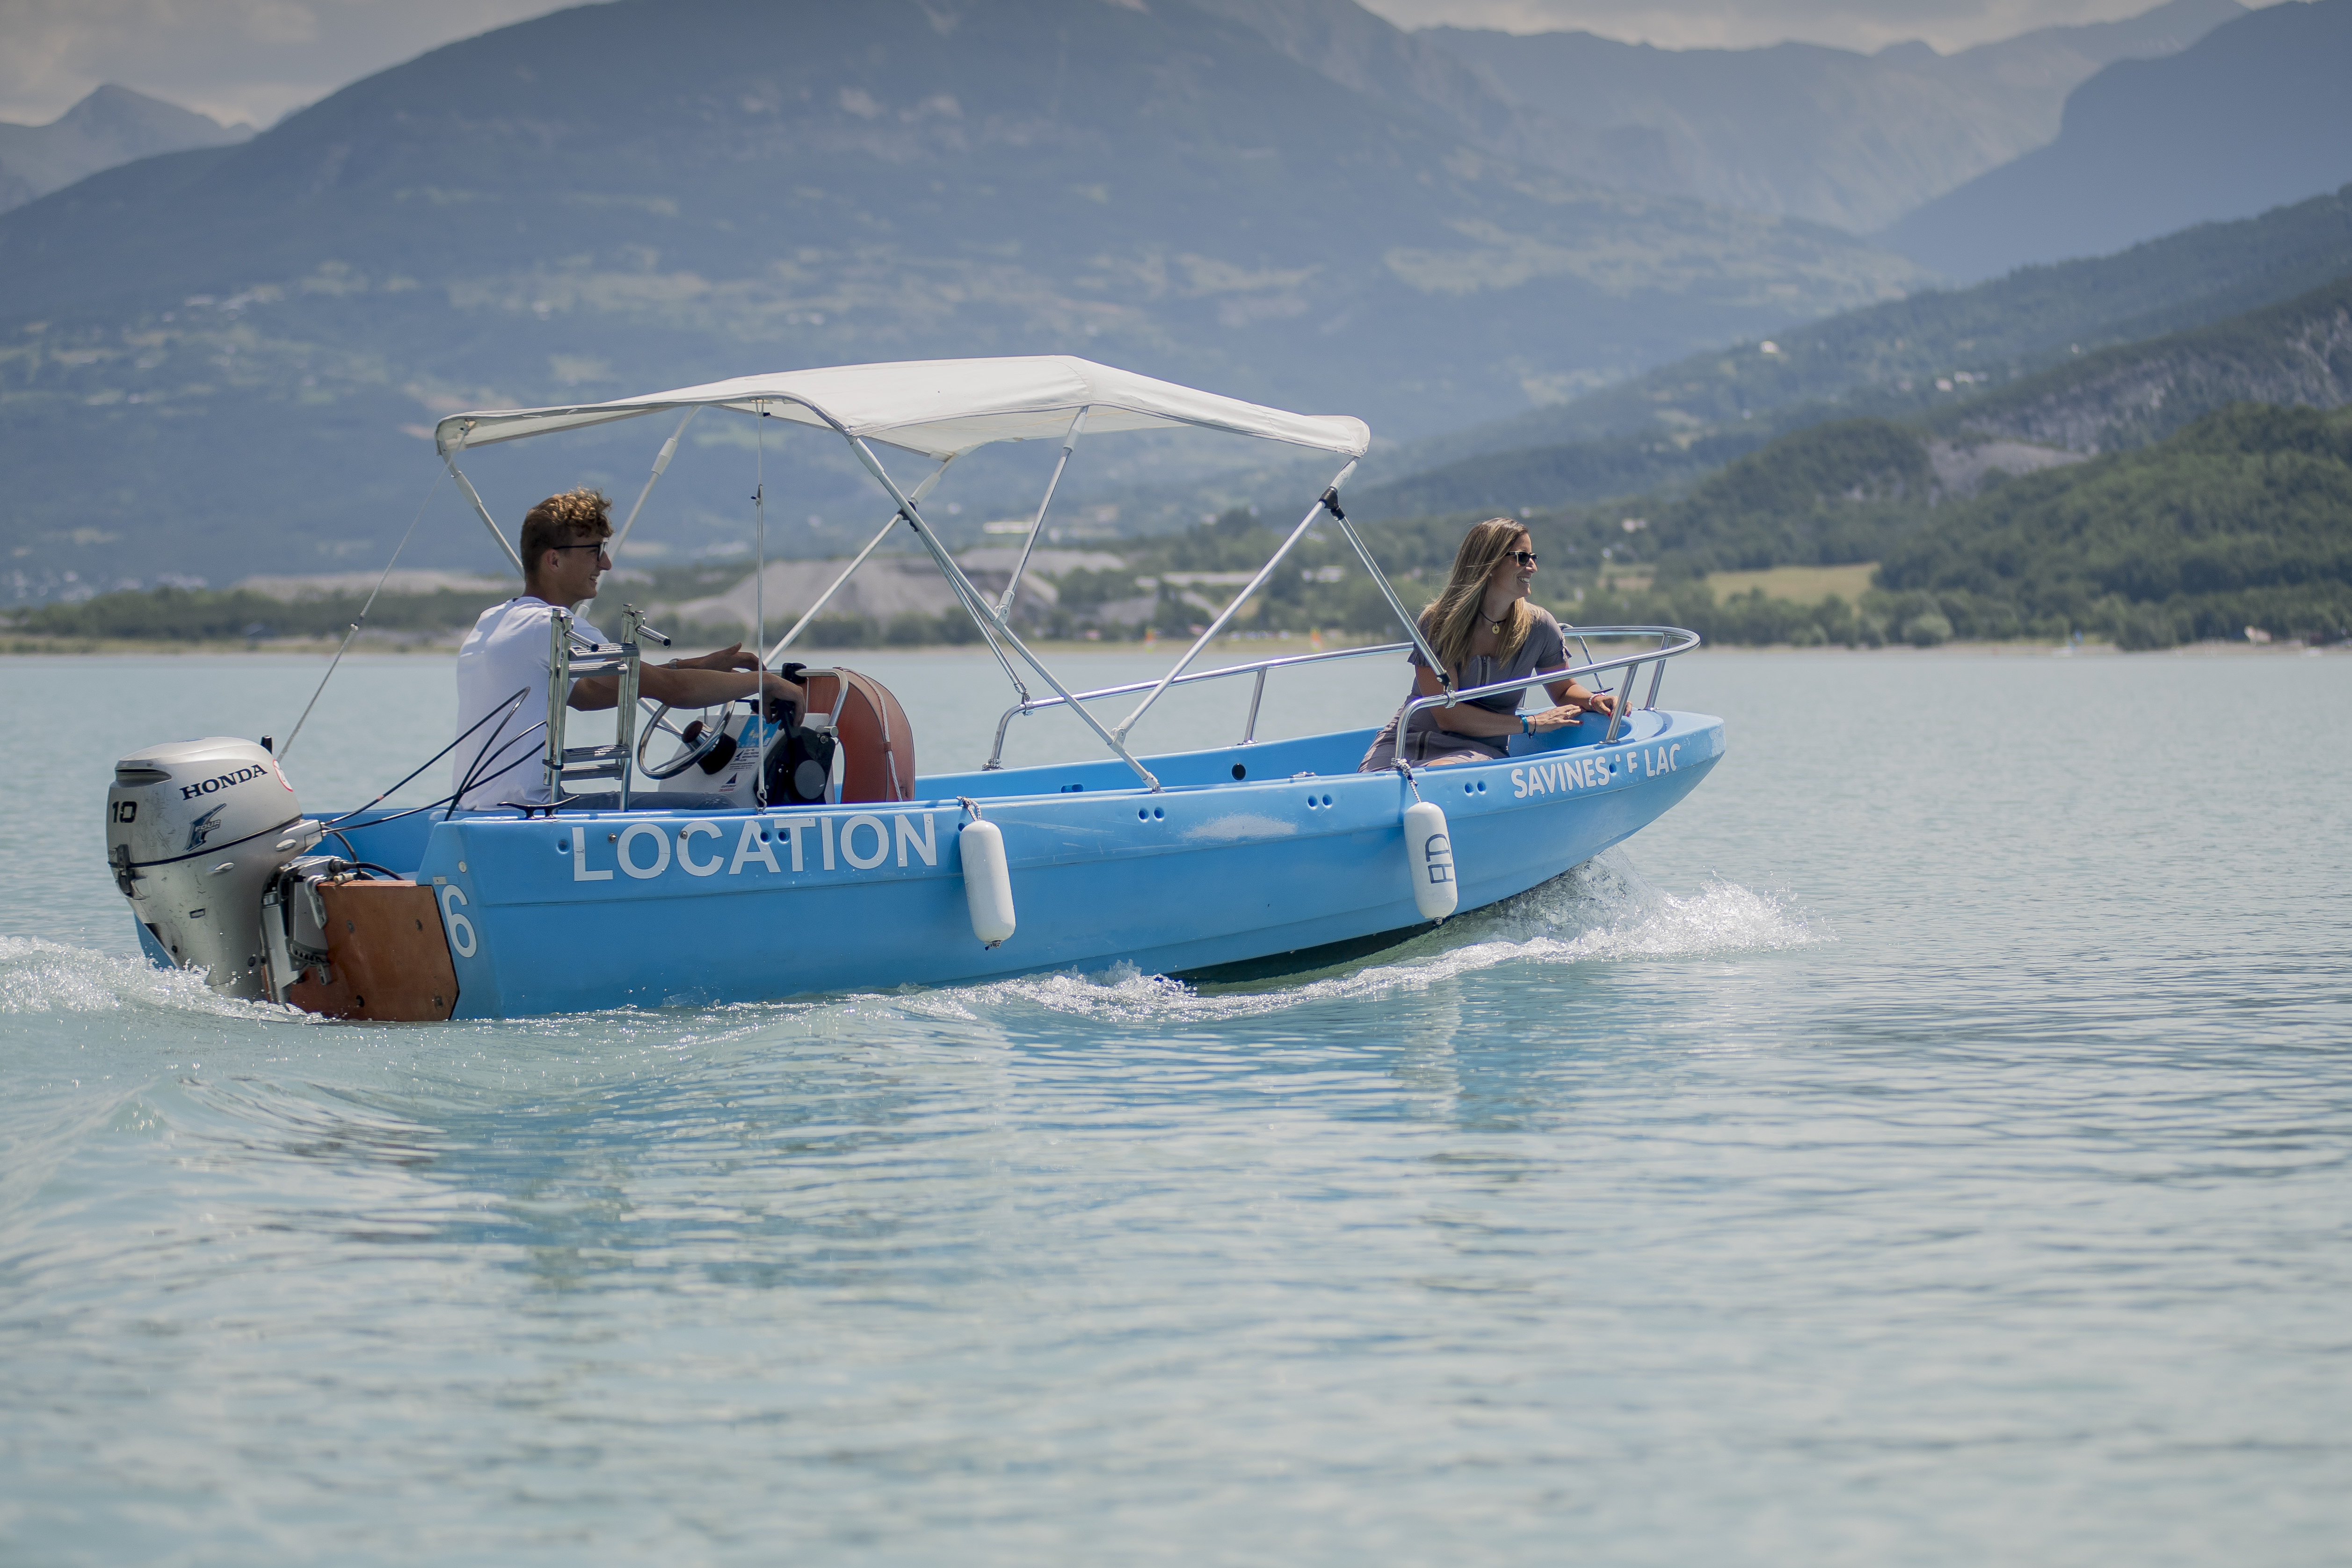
2298	352
1838	492
2242	519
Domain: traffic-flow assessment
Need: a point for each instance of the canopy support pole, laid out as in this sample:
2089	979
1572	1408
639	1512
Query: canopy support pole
759	601
670	451
1410	623
480	510
977	604
1070	439
826	598
1322	503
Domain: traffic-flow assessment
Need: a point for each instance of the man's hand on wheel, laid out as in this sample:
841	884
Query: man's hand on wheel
732	657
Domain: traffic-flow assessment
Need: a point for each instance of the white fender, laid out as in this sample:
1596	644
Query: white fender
987	882
1429	861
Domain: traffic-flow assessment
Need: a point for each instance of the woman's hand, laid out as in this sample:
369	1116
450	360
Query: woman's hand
1554	718
1572	695
1574	704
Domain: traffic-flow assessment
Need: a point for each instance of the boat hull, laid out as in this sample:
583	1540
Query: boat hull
1247	851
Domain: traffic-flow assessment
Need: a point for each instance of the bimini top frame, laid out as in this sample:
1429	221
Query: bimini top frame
942	409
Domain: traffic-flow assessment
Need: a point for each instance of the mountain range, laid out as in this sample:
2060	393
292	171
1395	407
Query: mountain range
112	125
640	194
2252	114
1804	131
1291	200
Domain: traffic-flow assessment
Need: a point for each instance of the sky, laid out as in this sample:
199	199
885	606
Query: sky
253	61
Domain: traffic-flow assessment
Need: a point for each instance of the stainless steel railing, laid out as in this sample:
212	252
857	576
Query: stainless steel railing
1672	641
1668	646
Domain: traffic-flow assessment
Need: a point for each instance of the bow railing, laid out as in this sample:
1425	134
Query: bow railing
1671	641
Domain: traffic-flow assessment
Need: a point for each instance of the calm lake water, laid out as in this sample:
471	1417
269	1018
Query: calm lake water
1931	1143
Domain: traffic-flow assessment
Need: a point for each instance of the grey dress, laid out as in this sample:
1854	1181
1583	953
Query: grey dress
1545	647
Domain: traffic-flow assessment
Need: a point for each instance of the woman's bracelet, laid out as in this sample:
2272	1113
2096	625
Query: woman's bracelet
1526	727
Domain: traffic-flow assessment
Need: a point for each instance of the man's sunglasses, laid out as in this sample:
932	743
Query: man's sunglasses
1526	557
598	546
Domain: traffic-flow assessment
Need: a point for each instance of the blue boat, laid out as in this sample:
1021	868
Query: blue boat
1240	861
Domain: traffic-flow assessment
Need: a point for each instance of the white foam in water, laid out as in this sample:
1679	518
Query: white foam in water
1601	910
39	977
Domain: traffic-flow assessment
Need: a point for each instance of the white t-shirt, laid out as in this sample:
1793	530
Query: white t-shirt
505	653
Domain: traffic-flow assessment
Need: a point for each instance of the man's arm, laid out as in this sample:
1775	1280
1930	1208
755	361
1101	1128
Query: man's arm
681	687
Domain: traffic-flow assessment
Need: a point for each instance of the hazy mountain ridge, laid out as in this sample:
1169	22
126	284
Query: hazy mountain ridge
1807	130
1416	72
2252	114
110	126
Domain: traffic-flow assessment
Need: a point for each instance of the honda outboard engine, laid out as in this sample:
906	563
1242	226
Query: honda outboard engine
194	831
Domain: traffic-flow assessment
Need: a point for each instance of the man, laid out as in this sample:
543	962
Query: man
506	652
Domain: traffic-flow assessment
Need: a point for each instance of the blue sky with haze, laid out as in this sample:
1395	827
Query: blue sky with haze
255	59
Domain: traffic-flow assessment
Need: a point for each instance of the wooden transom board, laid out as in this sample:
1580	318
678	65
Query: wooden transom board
388	958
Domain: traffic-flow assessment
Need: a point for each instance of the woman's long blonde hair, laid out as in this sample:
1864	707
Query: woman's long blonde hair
1452	620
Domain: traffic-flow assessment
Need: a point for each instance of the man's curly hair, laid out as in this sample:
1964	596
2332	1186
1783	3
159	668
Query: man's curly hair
575	517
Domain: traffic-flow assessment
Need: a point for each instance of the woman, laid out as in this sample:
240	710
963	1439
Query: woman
1484	628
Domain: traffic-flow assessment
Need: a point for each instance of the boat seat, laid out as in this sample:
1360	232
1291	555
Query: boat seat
877	745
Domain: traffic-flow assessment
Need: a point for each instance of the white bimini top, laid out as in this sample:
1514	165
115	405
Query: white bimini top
942	407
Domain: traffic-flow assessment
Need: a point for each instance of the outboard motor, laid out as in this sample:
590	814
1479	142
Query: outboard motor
196	830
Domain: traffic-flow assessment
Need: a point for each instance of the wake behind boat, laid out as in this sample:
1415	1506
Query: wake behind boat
802	852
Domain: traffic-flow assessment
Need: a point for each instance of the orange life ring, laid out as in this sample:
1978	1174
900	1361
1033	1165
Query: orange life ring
877	745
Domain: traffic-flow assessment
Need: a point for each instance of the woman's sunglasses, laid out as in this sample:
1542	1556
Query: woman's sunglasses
1526	557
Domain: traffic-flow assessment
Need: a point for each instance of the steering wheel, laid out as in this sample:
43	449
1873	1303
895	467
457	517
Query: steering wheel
697	740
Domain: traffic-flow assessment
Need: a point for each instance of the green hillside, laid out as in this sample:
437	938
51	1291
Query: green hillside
2242	519
1837	492
2296	353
